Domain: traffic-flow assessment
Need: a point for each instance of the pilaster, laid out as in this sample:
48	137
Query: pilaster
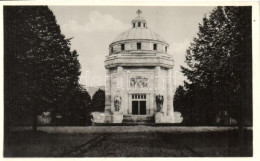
108	92
169	93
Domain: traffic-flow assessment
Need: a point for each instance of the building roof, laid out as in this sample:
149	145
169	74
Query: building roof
142	32
139	33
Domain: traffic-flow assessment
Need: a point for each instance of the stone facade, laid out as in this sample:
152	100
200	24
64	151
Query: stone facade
138	70
131	46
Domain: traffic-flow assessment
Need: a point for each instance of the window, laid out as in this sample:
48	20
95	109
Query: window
133	24
154	46
111	50
166	49
139	97
139	24
122	47
138	46
144	24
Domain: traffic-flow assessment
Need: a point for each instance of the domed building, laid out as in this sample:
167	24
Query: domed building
139	84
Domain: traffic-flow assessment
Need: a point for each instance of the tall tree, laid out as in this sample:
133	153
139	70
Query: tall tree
39	68
219	63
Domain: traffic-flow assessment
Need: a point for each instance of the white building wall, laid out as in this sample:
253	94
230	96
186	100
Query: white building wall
160	47
146	45
120	85
117	48
128	46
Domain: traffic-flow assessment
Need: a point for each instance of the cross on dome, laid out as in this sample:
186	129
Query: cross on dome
139	12
139	21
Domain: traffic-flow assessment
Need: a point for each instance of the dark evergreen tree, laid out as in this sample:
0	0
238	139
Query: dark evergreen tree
179	104
78	109
39	68
219	68
98	101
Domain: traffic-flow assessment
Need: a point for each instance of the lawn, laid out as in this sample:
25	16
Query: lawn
42	144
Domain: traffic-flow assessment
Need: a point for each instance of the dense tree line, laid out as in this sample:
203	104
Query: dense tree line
81	106
219	69
41	72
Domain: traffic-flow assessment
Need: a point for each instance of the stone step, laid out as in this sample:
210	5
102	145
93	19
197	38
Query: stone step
140	119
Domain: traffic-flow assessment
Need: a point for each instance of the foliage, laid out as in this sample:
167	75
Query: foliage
77	111
41	73
219	68
98	101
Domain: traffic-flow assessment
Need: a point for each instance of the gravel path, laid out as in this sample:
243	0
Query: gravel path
127	141
129	129
138	145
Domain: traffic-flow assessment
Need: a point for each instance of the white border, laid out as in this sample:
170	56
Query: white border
256	61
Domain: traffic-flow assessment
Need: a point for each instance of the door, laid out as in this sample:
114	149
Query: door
142	107
139	104
135	107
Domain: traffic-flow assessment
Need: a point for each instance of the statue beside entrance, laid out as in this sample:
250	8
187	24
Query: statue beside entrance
159	115
117	103
159	102
117	115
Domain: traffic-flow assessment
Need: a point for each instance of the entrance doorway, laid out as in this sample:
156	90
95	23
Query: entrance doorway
139	104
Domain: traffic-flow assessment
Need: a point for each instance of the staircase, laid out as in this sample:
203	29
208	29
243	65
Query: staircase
138	119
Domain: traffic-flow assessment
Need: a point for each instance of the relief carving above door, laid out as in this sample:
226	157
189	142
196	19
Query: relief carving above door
139	82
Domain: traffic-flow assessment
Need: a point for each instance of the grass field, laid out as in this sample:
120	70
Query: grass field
41	144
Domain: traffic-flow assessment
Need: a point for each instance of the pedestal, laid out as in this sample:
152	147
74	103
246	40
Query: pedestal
159	117
169	119
108	118
98	117
178	117
117	117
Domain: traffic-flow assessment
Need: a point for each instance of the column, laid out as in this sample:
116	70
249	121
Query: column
129	104
120	86
157	73
151	103
170	93
119	70
108	92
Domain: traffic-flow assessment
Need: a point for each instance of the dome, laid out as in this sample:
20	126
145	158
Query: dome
139	39
139	33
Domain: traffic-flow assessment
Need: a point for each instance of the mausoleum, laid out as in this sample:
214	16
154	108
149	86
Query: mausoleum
139	77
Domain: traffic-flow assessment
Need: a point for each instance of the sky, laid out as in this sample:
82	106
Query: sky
93	28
